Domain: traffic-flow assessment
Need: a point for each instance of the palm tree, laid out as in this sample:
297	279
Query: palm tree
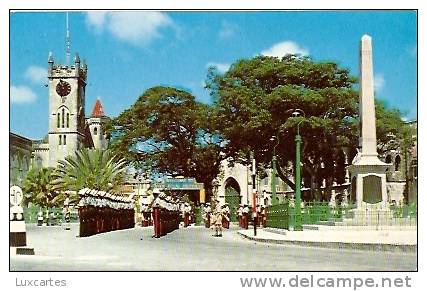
39	189
91	168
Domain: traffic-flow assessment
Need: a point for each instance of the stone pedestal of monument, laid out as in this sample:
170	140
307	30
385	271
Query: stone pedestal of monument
17	234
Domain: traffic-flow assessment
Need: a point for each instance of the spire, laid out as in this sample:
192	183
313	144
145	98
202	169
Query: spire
67	42
98	111
50	58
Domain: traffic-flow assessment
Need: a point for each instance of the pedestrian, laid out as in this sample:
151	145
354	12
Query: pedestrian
82	217
226	216
187	210
240	215
245	216
40	218
218	217
207	215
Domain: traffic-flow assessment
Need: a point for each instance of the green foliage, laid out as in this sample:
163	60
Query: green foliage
91	168
38	186
168	131
255	100
391	127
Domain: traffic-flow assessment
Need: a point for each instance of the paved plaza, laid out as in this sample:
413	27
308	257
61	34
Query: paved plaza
190	249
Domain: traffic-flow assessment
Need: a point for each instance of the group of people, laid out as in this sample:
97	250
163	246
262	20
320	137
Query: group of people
101	211
218	217
244	214
146	215
166	213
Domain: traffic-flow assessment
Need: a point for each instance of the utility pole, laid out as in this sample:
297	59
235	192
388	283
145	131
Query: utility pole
274	173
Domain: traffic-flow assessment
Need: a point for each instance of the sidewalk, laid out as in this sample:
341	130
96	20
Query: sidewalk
382	240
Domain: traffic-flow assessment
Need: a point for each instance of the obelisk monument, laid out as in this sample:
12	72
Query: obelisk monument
368	178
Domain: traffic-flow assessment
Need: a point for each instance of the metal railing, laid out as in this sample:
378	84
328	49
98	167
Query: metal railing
282	216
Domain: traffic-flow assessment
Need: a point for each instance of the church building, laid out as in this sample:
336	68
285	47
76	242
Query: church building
69	129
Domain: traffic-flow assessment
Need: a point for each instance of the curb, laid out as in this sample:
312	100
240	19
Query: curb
339	245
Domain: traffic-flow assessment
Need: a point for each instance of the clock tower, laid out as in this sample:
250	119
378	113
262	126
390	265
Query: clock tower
66	85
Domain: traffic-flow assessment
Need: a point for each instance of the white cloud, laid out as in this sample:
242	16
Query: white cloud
379	82
136	27
228	29
22	94
283	48
36	74
222	68
96	19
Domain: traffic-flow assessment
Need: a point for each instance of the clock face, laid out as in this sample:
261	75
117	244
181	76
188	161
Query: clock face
63	88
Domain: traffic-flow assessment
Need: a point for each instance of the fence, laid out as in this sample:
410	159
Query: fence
321	213
55	215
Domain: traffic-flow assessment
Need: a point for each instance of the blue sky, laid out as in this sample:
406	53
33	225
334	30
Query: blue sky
129	52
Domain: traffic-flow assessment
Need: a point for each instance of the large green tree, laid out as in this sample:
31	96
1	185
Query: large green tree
168	131
38	187
256	97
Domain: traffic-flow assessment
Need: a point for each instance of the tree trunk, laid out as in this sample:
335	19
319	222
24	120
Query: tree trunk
284	178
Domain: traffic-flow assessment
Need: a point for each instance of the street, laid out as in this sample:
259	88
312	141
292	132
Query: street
190	249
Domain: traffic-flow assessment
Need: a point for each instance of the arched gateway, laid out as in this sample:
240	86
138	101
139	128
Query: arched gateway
232	196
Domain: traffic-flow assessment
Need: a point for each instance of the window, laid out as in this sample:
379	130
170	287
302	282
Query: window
95	131
60	139
57	119
65	139
63	113
68	120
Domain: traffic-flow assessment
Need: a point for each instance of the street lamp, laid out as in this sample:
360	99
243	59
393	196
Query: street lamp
273	177
298	222
254	191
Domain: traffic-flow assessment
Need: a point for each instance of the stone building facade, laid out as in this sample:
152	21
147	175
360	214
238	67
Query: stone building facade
20	150
69	129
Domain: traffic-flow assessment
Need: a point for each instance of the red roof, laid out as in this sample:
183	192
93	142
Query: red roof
98	111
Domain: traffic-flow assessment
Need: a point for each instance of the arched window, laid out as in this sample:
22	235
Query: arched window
57	119
60	139
95	131
63	113
68	120
397	163
65	139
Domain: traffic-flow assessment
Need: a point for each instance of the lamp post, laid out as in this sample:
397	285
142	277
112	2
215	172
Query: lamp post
254	192
273	177
298	222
